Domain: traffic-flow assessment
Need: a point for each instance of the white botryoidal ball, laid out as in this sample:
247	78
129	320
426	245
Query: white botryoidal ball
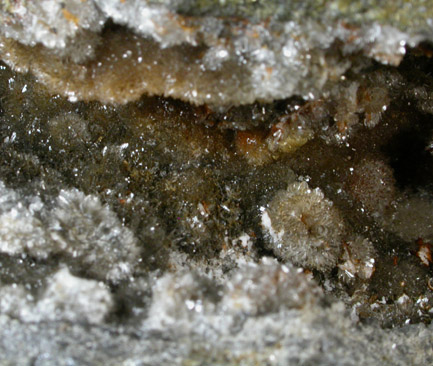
66	298
84	229
267	287
79	228
302	226
74	299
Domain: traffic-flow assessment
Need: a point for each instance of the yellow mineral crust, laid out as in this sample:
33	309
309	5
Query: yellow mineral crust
124	68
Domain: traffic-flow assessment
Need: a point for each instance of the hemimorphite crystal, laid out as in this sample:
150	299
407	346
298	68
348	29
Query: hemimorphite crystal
149	230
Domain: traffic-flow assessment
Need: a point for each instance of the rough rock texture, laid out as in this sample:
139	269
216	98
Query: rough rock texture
219	53
277	212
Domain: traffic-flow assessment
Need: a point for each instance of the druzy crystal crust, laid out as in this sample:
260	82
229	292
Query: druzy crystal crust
200	182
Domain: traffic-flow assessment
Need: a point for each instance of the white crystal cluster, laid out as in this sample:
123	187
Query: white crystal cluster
303	227
230	60
358	260
262	312
78	228
66	298
21	231
194	302
62	21
175	268
69	27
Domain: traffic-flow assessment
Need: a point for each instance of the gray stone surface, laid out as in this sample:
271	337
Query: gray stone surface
271	204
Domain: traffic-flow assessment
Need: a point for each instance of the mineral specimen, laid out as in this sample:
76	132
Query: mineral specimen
66	298
77	227
304	227
220	53
216	182
357	260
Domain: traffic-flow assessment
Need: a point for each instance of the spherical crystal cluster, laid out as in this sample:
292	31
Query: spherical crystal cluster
304	227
